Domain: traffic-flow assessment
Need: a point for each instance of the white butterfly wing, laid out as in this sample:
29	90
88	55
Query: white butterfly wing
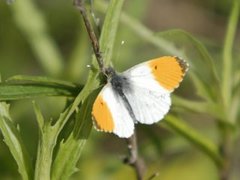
149	103
110	113
150	86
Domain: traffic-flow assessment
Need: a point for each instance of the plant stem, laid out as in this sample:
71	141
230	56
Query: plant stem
227	134
133	159
44	160
227	54
226	152
80	6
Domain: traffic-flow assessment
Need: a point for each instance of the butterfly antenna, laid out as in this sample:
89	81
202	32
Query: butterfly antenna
79	4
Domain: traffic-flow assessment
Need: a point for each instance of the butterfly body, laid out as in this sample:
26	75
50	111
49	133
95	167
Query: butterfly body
121	86
140	94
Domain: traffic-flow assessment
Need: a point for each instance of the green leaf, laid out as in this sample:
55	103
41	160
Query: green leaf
46	143
22	87
198	107
14	92
201	142
15	144
227	55
48	139
49	135
195	106
39	116
236	79
79	58
35	31
234	112
70	150
138	10
40	80
109	30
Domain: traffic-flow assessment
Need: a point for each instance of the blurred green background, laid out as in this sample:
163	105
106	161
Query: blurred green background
163	151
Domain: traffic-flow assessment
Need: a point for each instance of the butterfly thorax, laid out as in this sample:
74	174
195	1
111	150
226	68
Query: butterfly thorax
120	84
117	80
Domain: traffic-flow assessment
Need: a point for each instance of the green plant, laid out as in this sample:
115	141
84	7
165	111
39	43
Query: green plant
217	91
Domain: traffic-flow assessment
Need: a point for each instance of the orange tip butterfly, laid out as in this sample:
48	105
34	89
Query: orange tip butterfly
139	94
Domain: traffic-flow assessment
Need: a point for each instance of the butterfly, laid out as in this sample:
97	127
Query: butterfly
140	94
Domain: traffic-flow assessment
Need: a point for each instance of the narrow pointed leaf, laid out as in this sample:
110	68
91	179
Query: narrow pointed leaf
197	139
22	87
35	30
70	150
14	142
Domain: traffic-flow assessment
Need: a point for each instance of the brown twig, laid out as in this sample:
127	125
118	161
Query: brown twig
133	159
80	6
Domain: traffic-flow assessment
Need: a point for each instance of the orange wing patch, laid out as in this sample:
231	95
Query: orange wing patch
102	115
168	71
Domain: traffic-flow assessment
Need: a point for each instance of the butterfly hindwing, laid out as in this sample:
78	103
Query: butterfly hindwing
110	114
149	106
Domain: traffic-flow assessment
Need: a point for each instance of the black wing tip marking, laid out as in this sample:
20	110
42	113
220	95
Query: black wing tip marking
183	64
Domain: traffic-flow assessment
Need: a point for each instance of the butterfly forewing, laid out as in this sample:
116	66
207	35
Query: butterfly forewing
168	71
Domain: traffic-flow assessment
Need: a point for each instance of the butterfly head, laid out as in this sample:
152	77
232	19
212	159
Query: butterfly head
109	72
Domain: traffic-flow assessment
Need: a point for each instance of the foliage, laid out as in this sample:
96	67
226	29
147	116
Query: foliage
61	141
